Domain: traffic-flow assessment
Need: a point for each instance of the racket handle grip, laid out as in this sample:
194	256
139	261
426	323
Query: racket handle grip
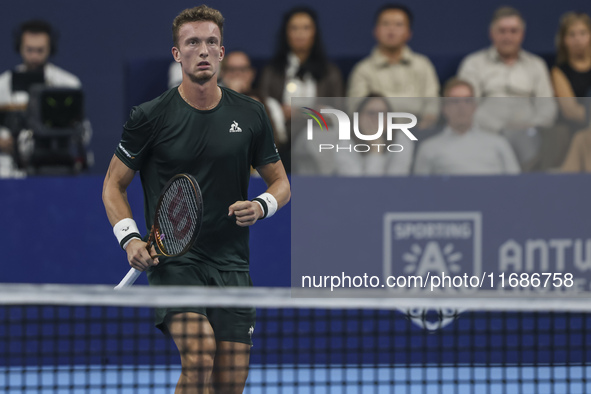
129	279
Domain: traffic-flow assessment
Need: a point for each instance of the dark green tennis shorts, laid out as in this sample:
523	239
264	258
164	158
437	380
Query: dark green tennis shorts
229	324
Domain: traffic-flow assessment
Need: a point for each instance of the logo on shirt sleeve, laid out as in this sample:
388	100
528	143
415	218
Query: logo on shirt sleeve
125	152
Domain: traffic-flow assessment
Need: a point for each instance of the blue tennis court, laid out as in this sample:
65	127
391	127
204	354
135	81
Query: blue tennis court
306	379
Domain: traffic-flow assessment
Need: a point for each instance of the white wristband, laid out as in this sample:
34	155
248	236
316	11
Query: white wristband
268	203
125	230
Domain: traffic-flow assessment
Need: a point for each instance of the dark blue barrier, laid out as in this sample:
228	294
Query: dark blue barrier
56	231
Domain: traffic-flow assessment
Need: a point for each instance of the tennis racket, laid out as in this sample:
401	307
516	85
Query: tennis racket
177	221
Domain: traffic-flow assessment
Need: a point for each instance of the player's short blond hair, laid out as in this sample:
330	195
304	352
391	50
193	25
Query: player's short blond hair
197	14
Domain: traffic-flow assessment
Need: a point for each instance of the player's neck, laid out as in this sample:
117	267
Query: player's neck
201	96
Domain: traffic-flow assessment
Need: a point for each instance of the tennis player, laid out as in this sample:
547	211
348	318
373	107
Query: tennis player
215	134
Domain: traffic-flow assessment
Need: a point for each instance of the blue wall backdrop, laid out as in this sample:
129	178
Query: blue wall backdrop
99	38
534	223
56	231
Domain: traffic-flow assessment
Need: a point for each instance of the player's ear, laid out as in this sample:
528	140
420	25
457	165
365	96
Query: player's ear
176	54
222	52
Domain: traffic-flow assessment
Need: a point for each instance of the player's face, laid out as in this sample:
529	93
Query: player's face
199	50
507	35
35	48
577	39
300	32
459	107
392	29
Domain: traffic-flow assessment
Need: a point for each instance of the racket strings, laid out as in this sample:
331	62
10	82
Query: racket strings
178	217
174	221
166	239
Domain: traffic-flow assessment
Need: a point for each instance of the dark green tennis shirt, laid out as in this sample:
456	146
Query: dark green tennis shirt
166	136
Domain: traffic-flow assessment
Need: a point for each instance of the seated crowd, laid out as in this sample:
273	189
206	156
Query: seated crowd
499	114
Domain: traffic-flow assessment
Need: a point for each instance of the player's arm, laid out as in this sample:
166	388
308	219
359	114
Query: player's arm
277	195
117	180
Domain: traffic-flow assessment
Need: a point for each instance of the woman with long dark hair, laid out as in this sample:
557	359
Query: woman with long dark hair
299	67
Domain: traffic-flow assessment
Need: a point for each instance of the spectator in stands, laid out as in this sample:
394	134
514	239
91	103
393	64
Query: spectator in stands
394	70
506	70
7	165
299	68
238	74
175	75
35	42
571	75
463	149
578	158
379	160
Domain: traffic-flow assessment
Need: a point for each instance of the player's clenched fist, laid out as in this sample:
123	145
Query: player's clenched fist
246	212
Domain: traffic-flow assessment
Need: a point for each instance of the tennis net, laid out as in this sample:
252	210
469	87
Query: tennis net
91	339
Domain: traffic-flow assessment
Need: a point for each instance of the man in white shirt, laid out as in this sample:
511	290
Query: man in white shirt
394	70
463	149
506	70
35	43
